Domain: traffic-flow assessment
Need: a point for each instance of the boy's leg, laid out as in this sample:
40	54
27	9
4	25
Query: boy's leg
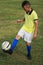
28	50
15	42
28	38
19	35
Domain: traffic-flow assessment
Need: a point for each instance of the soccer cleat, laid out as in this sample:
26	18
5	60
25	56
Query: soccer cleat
29	56
9	51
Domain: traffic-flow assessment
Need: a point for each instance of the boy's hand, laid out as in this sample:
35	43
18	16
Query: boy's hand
19	21
35	35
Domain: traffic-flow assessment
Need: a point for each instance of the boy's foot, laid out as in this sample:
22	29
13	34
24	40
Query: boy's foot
29	56
9	51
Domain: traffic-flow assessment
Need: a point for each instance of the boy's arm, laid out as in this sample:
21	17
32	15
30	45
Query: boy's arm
36	29
19	21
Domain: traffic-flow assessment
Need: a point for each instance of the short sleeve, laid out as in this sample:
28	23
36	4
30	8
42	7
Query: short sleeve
35	16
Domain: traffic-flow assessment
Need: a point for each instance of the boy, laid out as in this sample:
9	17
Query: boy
29	29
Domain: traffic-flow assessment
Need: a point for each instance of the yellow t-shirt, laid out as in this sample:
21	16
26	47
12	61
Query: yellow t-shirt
29	25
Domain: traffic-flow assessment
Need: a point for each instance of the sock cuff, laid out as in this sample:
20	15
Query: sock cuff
29	47
15	39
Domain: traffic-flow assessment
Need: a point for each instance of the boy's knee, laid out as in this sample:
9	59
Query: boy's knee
28	44
17	37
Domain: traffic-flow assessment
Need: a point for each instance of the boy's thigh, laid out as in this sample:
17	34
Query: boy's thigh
21	33
28	37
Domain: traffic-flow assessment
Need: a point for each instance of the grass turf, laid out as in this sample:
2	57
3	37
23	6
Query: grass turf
10	11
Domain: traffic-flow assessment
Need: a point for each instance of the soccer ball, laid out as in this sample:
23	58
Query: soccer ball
6	45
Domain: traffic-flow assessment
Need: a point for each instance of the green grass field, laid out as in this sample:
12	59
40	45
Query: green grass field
10	11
